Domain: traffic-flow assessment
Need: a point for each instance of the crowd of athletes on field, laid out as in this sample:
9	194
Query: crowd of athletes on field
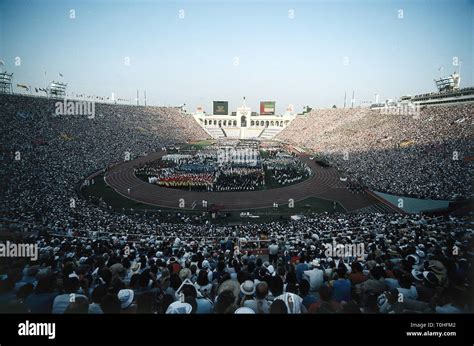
95	260
224	167
422	154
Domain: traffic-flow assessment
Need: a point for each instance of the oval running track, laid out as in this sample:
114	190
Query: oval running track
324	183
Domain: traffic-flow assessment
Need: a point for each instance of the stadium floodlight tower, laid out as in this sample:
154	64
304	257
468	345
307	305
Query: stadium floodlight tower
57	89
6	83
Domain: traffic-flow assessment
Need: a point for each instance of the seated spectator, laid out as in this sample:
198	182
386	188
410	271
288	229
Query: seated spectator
342	286
315	276
41	300
357	276
278	307
325	304
373	285
293	302
225	303
260	304
110	304
79	306
406	287
71	289
247	291
308	298
127	297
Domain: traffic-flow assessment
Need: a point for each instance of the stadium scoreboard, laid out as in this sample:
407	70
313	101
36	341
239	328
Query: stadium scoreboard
267	108
220	107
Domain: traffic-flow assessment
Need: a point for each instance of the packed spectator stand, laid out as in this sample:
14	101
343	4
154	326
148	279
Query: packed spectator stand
426	155
111	262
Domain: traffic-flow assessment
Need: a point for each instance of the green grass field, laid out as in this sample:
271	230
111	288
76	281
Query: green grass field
198	145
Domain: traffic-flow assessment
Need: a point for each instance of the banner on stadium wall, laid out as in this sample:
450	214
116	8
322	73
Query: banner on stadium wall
221	108
267	108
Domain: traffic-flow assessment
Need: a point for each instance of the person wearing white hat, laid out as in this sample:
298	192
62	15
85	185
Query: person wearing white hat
315	276
179	308
244	310
126	297
247	288
271	270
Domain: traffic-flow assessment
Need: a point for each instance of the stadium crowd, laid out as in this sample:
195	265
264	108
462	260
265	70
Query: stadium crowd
46	156
411	264
94	260
426	155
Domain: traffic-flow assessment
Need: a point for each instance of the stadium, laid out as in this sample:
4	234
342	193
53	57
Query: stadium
252	207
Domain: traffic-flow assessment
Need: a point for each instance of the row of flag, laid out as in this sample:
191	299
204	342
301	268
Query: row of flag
45	90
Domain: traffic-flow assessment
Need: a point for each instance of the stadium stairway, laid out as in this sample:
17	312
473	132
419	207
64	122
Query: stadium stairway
216	132
269	133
